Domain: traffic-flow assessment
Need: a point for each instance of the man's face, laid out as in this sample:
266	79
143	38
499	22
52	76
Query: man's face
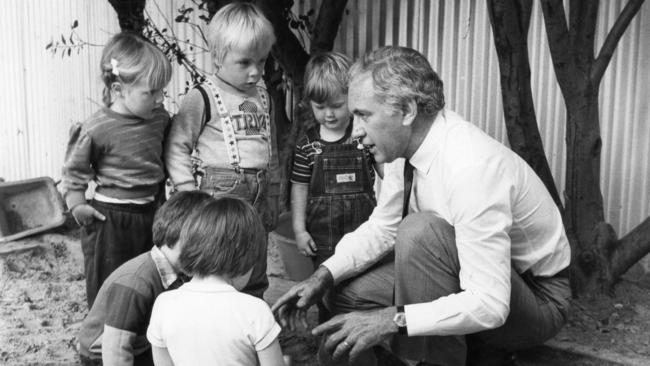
378	126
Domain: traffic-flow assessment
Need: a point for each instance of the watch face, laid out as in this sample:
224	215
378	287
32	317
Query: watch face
400	319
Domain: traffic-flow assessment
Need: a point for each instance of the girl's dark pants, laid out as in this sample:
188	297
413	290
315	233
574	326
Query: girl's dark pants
125	234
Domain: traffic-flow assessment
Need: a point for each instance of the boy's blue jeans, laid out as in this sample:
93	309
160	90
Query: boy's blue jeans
426	267
251	186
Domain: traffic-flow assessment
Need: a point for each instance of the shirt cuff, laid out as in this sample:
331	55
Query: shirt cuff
269	338
336	267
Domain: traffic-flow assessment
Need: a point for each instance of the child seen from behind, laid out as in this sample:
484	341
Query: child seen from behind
222	139
119	148
114	332
207	321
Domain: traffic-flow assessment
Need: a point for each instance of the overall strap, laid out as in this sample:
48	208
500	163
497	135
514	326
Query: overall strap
313	141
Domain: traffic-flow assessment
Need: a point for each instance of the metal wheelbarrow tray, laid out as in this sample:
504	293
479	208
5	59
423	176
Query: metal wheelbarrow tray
28	207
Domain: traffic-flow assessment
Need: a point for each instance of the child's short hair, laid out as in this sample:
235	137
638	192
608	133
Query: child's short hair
326	76
129	58
238	25
225	238
169	219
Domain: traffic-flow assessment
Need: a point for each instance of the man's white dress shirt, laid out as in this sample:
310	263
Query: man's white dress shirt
502	214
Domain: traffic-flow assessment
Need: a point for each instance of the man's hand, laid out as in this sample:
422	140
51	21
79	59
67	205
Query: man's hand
291	308
305	244
85	214
355	332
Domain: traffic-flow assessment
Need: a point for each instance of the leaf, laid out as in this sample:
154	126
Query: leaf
179	18
69	51
75	24
63	39
49	45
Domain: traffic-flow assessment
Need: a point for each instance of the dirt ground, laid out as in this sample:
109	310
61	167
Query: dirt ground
42	304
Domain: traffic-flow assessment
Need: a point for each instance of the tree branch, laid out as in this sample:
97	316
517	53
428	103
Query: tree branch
130	14
558	42
615	34
287	49
582	28
630	249
327	25
525	11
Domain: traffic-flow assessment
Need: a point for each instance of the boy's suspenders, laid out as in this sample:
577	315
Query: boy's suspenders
206	107
227	126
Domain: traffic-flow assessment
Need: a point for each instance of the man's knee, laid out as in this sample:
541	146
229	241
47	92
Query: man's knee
423	231
371	290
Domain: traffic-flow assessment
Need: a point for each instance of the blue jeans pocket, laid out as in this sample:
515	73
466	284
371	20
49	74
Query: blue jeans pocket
219	182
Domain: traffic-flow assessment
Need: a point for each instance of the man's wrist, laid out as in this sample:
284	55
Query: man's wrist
324	276
399	320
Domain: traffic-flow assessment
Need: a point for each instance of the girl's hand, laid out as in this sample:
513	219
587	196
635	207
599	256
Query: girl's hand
305	244
85	214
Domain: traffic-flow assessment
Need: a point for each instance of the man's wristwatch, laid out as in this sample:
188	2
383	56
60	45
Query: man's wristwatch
400	320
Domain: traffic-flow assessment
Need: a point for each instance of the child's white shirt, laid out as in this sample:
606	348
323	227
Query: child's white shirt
207	322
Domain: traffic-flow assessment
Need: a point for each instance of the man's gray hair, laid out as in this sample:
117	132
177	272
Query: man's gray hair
401	75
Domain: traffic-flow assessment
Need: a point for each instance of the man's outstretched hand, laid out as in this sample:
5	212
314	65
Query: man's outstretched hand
356	332
291	308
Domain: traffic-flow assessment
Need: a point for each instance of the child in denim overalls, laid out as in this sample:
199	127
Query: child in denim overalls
226	146
332	179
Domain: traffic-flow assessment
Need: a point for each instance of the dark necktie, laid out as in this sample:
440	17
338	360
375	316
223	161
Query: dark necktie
408	184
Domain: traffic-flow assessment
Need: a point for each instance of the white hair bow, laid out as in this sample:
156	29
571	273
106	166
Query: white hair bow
115	70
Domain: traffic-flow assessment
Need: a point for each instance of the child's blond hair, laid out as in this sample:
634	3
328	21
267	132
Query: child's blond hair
130	58
326	76
238	25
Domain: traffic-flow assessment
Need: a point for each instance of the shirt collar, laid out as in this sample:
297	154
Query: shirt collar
165	269
209	284
428	150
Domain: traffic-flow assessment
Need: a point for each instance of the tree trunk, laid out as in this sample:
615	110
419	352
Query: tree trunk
598	257
327	25
130	14
583	198
510	20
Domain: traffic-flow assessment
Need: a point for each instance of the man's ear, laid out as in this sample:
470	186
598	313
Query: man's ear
410	111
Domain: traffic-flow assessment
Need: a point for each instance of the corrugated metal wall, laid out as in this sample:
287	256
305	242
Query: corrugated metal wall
42	95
